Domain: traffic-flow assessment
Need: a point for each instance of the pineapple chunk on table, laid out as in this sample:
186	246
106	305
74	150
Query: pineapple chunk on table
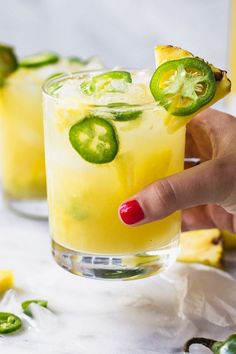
202	246
6	280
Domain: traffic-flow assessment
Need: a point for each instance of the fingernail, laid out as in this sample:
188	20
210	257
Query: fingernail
131	212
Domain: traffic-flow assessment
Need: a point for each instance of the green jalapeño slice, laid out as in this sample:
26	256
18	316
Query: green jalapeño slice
25	305
77	60
40	59
113	75
110	81
227	346
183	86
8	62
95	139
9	322
124	116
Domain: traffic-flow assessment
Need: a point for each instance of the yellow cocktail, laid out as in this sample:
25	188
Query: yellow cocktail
23	170
22	152
101	148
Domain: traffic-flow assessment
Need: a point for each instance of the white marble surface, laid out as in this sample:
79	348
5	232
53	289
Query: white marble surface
148	316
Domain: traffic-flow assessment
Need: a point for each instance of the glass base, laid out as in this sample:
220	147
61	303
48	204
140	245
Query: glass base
116	267
30	208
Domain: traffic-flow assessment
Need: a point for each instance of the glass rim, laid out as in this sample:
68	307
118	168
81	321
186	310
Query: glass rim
64	76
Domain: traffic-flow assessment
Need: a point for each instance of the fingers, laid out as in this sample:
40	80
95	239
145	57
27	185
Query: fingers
198	141
221	219
206	217
197	218
199	185
211	134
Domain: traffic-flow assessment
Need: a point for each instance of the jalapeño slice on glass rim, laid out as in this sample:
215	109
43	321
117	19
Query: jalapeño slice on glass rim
9	322
183	86
95	139
103	82
39	59
25	305
8	62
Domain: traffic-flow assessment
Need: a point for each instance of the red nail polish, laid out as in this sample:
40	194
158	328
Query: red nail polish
131	212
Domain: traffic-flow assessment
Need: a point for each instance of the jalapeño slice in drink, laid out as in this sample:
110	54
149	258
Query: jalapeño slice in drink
124	116
110	81
95	139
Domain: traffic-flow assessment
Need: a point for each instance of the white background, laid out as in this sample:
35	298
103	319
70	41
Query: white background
121	32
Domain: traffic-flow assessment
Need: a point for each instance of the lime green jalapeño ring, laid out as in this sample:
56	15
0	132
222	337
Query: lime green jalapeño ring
77	60
227	346
40	59
25	305
101	82
95	139
113	75
183	86
125	116
9	322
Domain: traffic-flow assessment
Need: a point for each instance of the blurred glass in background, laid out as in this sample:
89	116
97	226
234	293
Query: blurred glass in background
22	160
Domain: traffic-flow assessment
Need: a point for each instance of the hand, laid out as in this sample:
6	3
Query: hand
206	192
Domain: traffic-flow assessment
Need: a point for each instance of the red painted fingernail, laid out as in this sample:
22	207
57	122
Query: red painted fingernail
131	212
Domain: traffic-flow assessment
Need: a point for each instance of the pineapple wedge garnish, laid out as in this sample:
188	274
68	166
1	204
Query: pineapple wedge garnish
165	53
6	280
202	246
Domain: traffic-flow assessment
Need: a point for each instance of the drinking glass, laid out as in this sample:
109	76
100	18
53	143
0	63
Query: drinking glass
22	144
85	191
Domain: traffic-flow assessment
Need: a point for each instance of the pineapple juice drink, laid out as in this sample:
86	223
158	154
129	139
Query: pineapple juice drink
105	140
23	163
23	170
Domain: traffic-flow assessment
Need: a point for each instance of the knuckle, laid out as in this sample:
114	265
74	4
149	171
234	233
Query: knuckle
164	194
224	173
219	167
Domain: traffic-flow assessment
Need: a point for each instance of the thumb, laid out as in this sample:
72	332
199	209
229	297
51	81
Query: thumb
202	184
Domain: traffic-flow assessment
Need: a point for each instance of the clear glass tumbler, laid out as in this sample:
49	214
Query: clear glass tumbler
100	150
